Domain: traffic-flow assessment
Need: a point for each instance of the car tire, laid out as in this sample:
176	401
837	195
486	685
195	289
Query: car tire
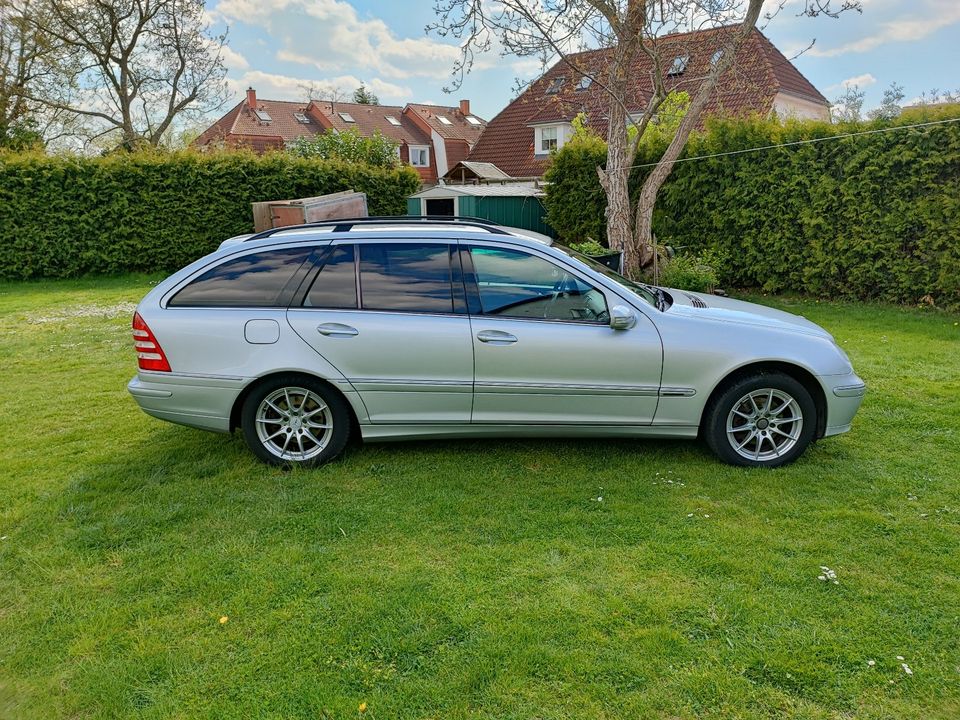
295	420
766	419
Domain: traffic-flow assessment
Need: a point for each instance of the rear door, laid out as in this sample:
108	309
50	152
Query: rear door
391	316
544	349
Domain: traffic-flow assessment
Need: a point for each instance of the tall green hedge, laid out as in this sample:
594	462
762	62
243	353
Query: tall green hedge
872	216
69	216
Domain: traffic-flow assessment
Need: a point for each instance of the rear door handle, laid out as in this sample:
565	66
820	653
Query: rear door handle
337	330
496	337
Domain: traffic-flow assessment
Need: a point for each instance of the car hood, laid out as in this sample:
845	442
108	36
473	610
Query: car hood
725	309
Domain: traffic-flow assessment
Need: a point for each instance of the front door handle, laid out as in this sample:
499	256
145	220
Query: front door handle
496	337
337	330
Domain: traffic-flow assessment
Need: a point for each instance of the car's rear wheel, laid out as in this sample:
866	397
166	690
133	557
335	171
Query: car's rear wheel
295	420
763	420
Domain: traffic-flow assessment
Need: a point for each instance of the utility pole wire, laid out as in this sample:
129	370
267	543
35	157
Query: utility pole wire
808	142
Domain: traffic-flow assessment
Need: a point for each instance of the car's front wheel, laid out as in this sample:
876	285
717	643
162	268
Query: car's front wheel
763	420
295	420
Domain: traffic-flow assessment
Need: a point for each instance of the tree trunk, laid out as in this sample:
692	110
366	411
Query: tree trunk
615	178
643	235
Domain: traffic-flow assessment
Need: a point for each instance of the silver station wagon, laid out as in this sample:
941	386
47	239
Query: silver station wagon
399	328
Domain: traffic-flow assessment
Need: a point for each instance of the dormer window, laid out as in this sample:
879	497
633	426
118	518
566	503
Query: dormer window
346	117
555	85
679	65
585	82
263	115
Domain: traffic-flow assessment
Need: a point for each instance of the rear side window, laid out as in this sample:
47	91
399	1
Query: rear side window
412	277
336	284
254	280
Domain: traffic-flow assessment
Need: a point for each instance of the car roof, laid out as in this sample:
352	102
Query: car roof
412	227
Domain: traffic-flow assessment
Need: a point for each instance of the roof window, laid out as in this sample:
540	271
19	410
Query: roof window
585	82
444	120
263	115
392	120
679	65
716	57
473	120
555	85
346	117
301	118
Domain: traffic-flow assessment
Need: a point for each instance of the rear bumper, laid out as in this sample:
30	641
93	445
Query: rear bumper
844	396
200	402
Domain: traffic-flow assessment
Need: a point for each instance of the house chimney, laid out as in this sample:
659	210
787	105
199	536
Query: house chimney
464	107
251	98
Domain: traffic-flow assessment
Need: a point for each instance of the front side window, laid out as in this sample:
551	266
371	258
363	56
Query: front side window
512	283
336	285
254	280
409	277
548	139
420	156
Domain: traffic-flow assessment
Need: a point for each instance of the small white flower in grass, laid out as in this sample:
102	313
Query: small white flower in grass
689	514
3	538
706	516
871	663
900	657
828	575
906	668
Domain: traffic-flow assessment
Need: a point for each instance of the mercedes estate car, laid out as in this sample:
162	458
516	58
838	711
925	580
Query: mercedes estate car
398	328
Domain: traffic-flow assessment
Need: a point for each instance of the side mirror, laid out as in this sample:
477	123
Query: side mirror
622	317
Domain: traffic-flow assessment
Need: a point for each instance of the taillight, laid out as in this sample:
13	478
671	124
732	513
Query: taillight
149	353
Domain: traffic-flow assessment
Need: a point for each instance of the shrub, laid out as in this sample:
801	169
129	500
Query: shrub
150	211
688	272
870	217
349	145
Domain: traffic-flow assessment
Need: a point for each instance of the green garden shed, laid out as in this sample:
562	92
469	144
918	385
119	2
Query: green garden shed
514	205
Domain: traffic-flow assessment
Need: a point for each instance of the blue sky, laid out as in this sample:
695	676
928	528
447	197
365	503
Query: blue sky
277	46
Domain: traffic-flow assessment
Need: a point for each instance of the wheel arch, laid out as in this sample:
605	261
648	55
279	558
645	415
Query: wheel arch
237	408
797	372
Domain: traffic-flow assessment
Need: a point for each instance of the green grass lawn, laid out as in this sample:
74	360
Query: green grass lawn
469	579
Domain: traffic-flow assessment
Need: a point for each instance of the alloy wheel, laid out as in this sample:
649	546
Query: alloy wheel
294	423
764	424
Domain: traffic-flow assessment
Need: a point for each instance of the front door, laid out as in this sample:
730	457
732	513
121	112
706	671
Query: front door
385	315
544	351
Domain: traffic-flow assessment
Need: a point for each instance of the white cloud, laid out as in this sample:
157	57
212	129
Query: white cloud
926	18
860	81
272	86
232	59
329	35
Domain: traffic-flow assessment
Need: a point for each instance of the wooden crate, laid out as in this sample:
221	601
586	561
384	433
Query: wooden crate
280	213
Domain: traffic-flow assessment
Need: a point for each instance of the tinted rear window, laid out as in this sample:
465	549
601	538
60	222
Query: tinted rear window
414	277
336	285
254	280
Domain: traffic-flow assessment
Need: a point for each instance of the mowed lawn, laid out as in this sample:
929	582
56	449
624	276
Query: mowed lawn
487	579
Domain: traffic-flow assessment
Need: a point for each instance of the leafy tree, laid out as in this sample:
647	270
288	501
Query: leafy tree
631	29
891	105
848	106
377	150
363	96
130	69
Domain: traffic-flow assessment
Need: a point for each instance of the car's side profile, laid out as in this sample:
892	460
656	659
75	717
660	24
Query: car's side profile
404	328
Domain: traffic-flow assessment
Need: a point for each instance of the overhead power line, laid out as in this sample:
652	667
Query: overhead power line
807	142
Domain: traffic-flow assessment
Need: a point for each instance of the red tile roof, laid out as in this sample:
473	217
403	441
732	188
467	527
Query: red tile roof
242	120
369	119
459	128
750	86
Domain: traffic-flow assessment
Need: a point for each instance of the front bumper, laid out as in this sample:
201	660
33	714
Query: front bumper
844	395
201	402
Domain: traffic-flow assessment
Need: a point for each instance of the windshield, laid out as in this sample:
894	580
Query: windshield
648	293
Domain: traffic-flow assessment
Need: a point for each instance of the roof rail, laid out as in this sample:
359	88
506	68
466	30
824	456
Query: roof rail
346	224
